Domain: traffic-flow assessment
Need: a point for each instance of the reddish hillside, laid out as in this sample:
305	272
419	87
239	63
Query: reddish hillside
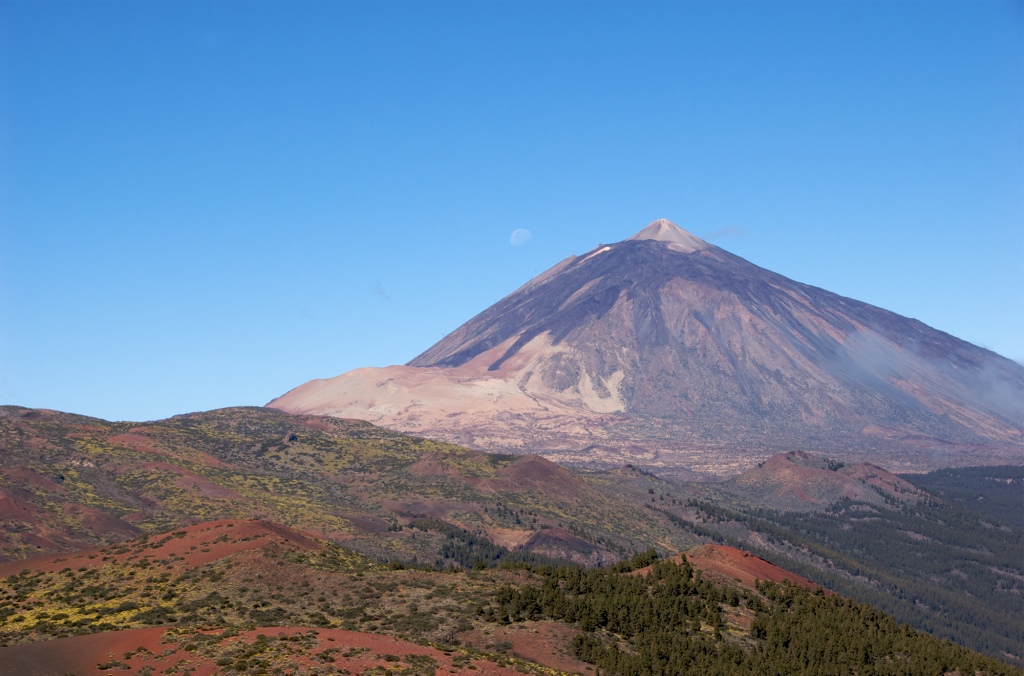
798	480
318	609
188	547
721	563
202	654
69	483
27	528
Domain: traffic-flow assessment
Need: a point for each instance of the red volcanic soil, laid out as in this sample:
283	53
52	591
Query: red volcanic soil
188	547
543	642
884	481
798	478
79	654
28	476
11	508
139	442
533	472
723	564
728	564
294	647
99	522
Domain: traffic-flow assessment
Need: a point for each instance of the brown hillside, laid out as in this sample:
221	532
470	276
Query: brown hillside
188	547
69	483
799	480
299	649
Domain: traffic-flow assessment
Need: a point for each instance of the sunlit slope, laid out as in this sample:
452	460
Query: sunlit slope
68	481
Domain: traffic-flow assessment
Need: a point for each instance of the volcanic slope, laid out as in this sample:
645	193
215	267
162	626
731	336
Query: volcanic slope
68	482
670	352
230	597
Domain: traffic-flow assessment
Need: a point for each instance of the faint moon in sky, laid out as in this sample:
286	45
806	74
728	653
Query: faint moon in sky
520	236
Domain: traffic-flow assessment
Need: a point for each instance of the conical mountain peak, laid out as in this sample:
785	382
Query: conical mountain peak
664	230
667	350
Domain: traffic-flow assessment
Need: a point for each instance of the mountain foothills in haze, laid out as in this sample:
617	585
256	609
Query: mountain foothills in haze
669	352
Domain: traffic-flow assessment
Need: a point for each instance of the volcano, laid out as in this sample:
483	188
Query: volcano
666	351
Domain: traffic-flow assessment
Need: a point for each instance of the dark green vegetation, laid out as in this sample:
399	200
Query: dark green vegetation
468	551
994	493
670	621
951	564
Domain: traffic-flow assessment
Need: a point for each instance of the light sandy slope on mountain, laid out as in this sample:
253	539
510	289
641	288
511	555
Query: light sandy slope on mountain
467	405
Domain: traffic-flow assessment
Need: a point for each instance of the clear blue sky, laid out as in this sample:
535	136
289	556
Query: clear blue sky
204	205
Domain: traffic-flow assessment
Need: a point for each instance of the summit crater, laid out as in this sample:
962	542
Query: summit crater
664	230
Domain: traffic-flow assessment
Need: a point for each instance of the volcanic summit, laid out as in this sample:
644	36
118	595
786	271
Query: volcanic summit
670	352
